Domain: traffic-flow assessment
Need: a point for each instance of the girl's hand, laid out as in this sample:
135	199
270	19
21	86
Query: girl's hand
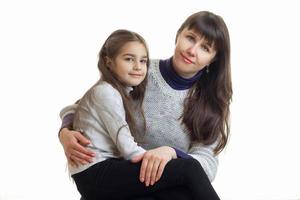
74	144
153	164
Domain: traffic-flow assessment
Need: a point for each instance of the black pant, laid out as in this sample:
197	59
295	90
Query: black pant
119	179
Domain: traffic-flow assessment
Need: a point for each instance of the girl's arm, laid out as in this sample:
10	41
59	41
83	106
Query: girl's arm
108	106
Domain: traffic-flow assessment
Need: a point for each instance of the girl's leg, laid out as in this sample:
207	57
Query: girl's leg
175	193
114	179
119	179
195	179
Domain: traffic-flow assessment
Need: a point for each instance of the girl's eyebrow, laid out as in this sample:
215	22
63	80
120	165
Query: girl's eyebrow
133	55
128	54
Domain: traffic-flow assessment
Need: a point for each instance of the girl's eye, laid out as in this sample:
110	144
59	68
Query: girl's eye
129	59
144	61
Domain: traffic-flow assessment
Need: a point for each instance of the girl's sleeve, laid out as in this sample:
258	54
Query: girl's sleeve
109	108
205	155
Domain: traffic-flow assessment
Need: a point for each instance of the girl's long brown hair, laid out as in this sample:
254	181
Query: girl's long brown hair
206	111
110	50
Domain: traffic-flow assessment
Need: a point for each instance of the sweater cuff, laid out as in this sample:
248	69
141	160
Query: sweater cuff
181	154
67	122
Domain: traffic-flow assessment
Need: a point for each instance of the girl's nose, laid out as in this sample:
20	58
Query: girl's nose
137	66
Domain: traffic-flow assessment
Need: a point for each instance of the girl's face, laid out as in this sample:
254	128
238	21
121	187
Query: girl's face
130	65
192	53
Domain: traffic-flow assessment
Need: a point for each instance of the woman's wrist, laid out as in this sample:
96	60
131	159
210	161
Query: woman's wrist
63	134
67	122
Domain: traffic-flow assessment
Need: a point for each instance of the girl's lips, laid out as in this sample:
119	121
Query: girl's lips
136	75
185	59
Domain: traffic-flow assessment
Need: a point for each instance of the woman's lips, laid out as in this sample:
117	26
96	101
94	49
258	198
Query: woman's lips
186	60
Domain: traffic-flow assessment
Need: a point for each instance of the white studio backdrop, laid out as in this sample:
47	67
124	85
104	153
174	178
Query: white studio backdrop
48	56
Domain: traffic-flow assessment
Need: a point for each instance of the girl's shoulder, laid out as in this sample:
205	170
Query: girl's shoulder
104	91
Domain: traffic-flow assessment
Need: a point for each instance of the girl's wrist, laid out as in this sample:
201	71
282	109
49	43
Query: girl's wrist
173	153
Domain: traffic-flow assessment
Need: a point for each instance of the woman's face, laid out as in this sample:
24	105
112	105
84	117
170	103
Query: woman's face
192	53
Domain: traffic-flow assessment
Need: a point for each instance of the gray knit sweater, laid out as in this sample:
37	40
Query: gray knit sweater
163	107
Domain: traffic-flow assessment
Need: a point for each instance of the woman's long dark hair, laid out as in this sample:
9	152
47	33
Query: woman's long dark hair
110	50
206	111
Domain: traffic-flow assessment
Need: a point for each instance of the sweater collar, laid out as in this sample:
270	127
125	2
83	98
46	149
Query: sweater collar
173	79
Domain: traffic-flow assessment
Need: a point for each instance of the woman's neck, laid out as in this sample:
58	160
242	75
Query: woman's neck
174	80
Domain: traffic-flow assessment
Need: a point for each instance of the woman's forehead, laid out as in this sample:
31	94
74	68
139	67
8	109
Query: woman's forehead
200	36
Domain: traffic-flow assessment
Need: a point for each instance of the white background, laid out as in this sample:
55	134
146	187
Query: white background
48	55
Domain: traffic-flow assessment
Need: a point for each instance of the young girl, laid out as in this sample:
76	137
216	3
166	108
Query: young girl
105	116
104	113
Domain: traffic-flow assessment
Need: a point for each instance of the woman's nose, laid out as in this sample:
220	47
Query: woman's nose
192	50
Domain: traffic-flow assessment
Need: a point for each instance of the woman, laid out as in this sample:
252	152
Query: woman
186	105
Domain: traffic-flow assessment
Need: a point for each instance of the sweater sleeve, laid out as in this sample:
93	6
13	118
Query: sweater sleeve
181	154
71	109
208	160
67	116
109	107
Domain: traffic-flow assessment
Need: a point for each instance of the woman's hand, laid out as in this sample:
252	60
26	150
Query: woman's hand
154	162
74	144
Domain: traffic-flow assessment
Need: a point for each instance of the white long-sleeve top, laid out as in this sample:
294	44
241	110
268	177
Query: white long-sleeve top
100	116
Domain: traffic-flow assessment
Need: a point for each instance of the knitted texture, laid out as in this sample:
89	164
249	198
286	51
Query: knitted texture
163	107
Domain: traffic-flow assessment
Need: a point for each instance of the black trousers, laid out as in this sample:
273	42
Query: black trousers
118	179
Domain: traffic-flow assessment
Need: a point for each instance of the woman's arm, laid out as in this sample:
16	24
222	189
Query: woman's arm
73	142
208	160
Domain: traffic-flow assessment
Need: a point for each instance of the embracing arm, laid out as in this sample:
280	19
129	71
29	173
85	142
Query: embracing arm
73	142
67	116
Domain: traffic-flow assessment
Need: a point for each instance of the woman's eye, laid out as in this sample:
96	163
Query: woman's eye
190	38
205	48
